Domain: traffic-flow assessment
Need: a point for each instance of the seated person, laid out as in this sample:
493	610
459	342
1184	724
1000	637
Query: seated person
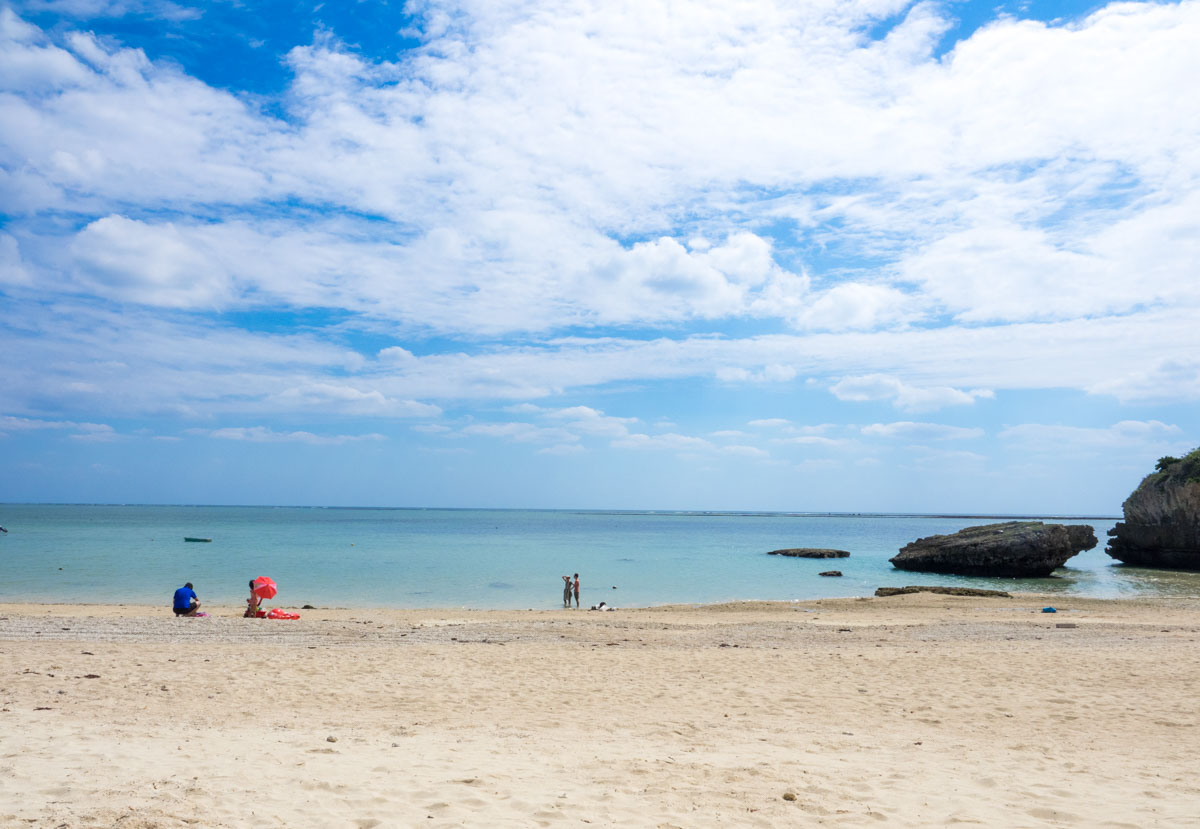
186	603
251	603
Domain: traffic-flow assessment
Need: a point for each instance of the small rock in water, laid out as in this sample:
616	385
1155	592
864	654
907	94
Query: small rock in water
809	552
830	573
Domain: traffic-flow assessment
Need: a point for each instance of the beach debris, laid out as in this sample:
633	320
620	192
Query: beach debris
307	607
1066	625
809	552
883	592
1162	518
331	739
830	573
1049	610
789	796
91	676
1013	549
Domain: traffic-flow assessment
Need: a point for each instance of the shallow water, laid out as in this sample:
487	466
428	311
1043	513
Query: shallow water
490	558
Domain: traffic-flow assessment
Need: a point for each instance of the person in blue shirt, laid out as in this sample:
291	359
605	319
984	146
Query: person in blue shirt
186	603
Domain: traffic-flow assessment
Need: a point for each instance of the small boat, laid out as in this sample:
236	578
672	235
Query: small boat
189	538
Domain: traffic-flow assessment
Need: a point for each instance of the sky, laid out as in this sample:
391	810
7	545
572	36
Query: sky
826	255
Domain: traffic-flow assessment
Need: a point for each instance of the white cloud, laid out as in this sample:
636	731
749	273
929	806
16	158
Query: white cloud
745	451
154	265
812	440
563	449
774	373
1168	378
856	306
770	423
511	154
265	434
12	269
590	421
519	432
909	430
87	432
347	397
669	441
96	433
902	395
1127	434
939	229
161	9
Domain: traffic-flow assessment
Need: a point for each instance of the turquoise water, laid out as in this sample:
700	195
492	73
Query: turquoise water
488	558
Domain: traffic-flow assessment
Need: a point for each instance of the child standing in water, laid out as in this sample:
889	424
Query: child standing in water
576	591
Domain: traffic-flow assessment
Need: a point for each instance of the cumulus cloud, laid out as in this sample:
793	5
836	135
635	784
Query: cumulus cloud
902	395
754	193
589	421
909	430
550	171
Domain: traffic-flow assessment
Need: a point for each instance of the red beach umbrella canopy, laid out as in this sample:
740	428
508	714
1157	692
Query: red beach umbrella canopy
264	587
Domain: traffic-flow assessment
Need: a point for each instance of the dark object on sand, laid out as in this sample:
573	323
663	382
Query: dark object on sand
1162	518
1014	549
830	573
947	591
189	538
809	552
307	607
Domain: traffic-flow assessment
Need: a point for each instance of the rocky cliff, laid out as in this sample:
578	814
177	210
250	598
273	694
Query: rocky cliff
1162	518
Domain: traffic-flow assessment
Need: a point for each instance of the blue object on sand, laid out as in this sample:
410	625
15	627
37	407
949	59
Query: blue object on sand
1049	610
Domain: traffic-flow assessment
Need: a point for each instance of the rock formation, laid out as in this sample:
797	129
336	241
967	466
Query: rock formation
834	573
1012	549
949	591
809	552
1162	518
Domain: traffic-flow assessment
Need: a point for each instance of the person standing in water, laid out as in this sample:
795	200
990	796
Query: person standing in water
566	591
576	591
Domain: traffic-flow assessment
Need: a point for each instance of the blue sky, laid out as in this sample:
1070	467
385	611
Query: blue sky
850	256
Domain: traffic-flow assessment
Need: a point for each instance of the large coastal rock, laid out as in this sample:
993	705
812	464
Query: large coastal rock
1162	518
1012	549
809	552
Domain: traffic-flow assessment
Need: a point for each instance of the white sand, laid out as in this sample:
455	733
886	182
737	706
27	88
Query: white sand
909	711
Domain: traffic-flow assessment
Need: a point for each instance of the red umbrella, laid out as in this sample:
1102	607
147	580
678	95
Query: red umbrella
263	587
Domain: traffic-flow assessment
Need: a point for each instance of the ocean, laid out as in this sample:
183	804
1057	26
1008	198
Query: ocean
504	559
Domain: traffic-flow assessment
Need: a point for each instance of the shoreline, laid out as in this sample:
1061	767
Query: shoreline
230	610
918	709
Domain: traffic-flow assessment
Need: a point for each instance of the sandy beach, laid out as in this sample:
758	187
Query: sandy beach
915	710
